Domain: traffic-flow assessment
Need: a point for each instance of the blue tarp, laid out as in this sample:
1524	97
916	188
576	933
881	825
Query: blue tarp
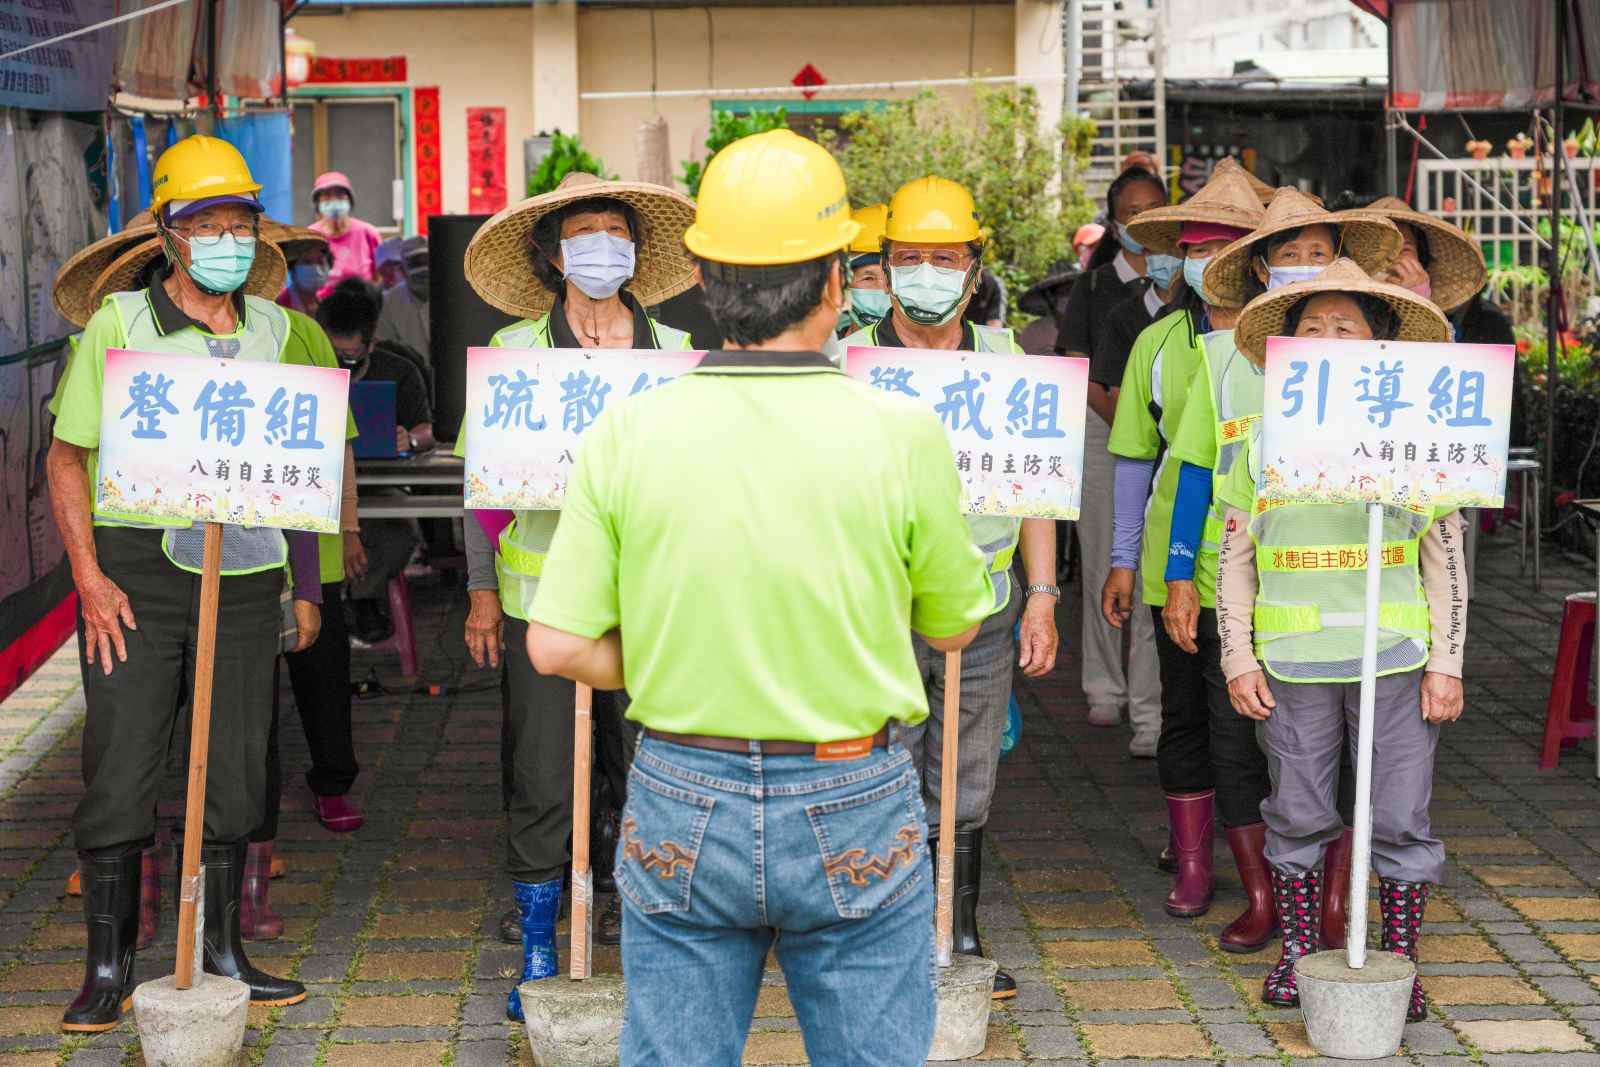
263	138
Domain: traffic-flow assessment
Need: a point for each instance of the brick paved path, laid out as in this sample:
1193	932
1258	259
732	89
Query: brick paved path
392	927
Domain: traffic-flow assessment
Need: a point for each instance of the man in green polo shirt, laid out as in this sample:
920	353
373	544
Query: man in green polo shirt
768	650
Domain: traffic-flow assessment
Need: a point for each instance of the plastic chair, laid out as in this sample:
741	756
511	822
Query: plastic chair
1570	714
403	642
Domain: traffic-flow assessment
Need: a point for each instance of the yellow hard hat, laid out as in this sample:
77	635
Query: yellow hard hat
933	211
771	198
200	168
872	219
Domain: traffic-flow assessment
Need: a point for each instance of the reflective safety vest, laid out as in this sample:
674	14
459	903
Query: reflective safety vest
261	335
995	535
524	544
1311	568
1236	387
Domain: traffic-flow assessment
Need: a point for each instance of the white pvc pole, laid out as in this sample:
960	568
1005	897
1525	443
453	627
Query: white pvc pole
1361	848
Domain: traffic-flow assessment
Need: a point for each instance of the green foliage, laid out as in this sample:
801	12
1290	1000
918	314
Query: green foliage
726	128
996	148
567	154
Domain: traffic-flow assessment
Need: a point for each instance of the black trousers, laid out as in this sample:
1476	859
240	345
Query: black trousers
320	678
536	759
1204	743
130	713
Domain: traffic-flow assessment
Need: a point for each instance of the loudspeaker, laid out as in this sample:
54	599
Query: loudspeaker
460	319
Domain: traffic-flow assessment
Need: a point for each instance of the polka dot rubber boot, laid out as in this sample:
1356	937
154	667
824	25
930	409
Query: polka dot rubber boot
1299	900
1400	908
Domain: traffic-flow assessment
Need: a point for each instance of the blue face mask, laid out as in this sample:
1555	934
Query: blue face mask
334	209
1161	269
1279	276
221	266
597	263
1194	272
309	277
929	295
869	303
1129	245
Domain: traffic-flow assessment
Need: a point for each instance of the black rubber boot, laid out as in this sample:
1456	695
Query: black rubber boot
964	928
111	913
224	867
608	928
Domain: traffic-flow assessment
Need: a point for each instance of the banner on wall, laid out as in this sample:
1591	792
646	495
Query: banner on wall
1385	422
72	75
486	160
430	182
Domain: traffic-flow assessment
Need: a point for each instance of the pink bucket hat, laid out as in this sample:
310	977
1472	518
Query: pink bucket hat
333	179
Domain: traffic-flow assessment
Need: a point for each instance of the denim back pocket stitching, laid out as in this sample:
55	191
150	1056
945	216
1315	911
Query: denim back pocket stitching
857	867
669	862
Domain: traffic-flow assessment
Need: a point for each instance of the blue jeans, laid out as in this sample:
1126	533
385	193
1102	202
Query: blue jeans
723	855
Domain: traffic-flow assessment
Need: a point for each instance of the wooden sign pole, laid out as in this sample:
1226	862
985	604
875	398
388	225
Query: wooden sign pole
582	876
199	751
944	913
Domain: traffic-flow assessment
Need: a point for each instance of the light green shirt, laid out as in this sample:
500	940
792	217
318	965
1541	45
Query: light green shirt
1155	389
766	532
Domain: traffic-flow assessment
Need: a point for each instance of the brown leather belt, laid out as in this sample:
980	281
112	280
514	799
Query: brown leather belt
854	748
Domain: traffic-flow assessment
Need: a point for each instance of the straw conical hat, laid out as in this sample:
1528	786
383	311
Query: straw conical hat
1226	199
1263	191
1263	317
76	278
1364	236
266	278
1456	268
499	263
293	241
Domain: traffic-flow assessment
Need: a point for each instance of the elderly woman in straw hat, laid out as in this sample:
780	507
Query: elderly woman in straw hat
578	266
1302	684
1207	760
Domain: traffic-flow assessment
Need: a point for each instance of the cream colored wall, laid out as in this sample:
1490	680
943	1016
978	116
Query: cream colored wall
753	47
478	57
482	57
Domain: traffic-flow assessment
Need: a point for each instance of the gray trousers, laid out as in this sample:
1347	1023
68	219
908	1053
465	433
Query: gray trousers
1105	683
986	667
1302	740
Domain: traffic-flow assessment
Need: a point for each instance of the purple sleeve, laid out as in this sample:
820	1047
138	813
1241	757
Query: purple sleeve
493	521
1130	488
304	565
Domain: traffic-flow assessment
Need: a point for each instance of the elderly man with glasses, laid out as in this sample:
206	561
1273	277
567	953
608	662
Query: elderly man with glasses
138	587
933	248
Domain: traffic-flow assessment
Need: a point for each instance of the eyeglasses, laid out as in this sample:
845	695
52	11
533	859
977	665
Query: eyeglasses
207	233
351	355
942	258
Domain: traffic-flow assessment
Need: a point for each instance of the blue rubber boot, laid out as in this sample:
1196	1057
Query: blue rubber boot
538	904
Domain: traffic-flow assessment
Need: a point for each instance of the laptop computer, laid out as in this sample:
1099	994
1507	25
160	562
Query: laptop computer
373	405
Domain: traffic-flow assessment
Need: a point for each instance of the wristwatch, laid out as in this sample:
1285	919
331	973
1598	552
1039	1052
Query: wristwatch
1049	590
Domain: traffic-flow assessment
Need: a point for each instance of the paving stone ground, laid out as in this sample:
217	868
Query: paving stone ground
392	927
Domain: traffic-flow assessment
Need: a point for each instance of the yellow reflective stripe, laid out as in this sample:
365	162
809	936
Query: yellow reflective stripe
1002	559
1283	619
1281	558
1235	430
519	560
1287	618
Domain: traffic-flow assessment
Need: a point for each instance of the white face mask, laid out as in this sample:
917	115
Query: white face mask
334	209
1279	276
597	263
929	295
